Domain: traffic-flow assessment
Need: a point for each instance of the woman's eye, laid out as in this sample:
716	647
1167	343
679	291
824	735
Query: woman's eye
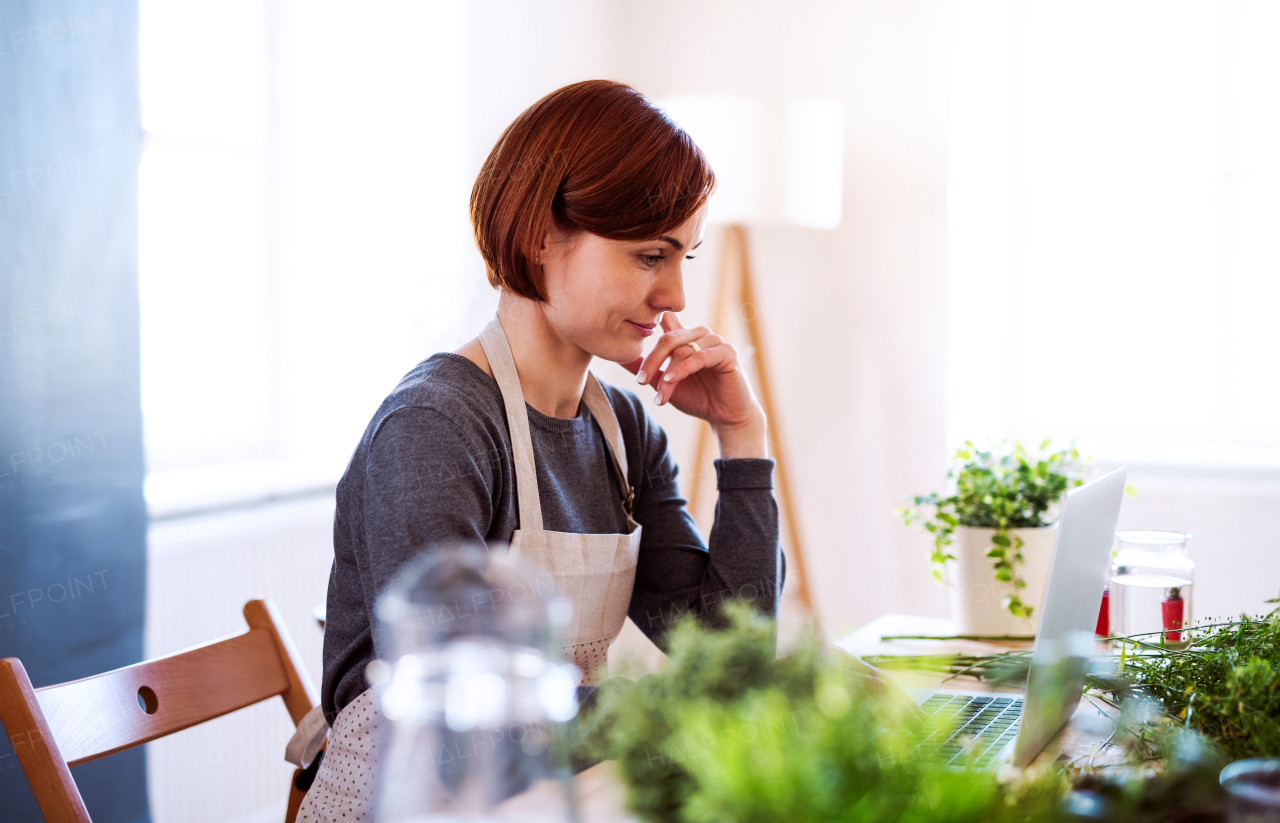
651	260
688	257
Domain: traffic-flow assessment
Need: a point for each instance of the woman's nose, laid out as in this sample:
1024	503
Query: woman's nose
669	294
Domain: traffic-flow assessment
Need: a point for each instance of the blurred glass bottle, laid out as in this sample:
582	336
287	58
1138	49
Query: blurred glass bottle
1151	586
472	693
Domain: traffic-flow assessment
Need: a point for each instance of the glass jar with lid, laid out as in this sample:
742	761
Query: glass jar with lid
1151	585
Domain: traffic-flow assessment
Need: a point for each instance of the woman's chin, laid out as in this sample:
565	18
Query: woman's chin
620	357
621	352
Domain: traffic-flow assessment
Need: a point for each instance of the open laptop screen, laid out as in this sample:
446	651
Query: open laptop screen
1064	635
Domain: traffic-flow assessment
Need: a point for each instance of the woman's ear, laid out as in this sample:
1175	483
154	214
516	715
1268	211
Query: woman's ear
551	239
556	243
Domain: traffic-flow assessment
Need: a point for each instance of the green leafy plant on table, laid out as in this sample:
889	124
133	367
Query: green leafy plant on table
1225	686
1002	487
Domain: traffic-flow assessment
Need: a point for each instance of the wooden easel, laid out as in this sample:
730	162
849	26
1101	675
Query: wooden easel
735	289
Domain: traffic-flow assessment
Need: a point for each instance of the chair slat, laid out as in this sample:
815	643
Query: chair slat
100	715
47	773
301	696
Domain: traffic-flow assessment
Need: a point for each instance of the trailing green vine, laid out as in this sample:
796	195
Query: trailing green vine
1002	487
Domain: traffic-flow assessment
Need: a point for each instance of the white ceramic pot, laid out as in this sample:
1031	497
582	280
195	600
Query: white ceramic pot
976	595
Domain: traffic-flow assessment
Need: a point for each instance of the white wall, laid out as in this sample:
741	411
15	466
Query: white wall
1234	522
854	317
373	205
1111	255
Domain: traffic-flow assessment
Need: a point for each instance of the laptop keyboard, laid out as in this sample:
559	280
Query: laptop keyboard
980	726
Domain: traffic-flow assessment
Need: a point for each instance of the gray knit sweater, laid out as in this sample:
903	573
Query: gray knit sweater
434	467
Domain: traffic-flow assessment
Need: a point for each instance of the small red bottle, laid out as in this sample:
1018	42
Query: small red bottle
1103	629
1171	614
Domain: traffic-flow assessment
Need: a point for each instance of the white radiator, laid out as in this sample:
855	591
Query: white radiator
201	571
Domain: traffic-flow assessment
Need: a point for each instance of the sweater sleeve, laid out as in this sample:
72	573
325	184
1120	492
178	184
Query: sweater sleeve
426	486
677	574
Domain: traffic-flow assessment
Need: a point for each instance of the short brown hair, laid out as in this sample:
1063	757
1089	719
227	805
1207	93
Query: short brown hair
595	156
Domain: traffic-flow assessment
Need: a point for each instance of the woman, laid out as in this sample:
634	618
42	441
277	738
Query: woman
585	212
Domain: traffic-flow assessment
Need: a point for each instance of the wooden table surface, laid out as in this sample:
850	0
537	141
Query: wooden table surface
603	796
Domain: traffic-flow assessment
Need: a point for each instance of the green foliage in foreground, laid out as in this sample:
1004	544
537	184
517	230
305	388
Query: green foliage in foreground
729	734
1003	487
1225	686
828	765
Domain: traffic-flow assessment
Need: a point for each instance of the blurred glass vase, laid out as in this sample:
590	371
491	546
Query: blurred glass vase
472	692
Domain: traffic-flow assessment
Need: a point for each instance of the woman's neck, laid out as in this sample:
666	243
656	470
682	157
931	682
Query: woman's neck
553	371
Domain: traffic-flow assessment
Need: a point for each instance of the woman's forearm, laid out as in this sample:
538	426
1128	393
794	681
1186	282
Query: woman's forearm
744	555
749	439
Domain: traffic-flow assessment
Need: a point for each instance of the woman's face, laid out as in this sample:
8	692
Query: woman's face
606	296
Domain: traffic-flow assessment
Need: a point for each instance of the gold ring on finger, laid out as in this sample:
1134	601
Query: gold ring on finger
694	346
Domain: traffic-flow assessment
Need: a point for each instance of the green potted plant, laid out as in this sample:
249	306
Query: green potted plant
993	531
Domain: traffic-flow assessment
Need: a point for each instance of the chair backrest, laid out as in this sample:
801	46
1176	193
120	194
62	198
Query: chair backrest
56	727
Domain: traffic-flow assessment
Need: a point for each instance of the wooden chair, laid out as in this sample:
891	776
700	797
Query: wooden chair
56	727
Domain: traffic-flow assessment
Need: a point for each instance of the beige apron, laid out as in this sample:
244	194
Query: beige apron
595	572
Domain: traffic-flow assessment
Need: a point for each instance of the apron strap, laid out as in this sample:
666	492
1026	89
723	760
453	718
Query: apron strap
598	403
307	738
496	348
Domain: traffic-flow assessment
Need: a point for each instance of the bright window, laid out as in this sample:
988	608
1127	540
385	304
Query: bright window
1114	197
303	226
203	272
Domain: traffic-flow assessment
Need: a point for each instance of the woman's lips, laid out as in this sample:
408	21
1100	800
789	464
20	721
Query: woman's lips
644	330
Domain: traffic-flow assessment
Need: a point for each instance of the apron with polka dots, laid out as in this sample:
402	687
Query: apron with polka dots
343	788
595	572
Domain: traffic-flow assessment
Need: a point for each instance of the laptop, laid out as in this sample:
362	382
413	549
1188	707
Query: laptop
994	728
